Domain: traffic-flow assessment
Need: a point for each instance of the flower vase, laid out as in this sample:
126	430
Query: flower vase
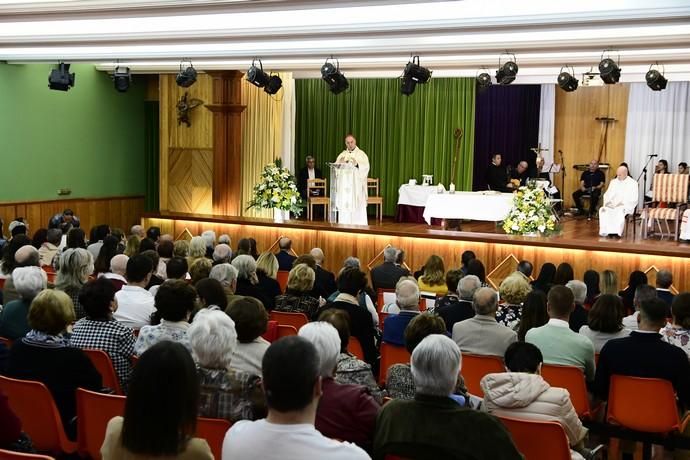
280	216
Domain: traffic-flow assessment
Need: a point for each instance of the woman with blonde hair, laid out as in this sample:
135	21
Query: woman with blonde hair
296	298
609	282
266	272
181	249
197	249
513	291
434	277
132	247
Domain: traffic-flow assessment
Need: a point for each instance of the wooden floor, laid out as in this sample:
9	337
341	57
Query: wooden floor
576	233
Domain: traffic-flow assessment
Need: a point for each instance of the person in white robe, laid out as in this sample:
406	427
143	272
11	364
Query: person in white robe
352	184
619	200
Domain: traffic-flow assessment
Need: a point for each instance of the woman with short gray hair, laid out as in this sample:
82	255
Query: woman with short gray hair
248	282
226	274
28	281
75	267
345	411
435	365
225	392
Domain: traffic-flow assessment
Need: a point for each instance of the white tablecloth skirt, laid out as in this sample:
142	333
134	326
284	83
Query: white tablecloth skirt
415	195
468	205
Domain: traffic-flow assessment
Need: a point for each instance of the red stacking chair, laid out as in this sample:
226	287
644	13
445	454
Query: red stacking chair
286	331
282	278
103	364
94	411
213	431
538	440
391	354
572	379
9	455
354	347
297	320
475	367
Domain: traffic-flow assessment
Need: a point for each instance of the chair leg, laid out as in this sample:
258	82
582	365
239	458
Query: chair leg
309	211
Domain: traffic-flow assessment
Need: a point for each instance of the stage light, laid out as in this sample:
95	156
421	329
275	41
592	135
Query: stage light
483	81
567	81
655	79
413	74
259	78
608	70
60	79
336	81
186	77
122	78
507	71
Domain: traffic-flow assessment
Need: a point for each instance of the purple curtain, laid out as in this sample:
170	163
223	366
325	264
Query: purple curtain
506	122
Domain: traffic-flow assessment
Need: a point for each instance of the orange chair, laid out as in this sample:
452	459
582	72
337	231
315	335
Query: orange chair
9	455
380	302
538	440
134	359
354	347
7	342
213	431
94	411
572	379
643	404
289	319
50	273
391	354
2	282
382	319
286	331
282	278
34	405
475	367
271	333
104	365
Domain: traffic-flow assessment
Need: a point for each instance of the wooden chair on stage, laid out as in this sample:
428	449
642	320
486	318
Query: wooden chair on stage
669	189
375	199
319	200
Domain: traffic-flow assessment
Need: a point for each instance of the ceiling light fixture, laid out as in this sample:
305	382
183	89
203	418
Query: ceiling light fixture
566	80
60	79
609	70
507	71
187	76
483	80
655	79
122	78
336	81
259	78
412	75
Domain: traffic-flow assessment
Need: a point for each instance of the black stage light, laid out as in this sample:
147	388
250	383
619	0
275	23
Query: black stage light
122	78
336	81
507	71
483	80
567	81
274	84
609	71
413	74
655	80
259	78
187	76
60	79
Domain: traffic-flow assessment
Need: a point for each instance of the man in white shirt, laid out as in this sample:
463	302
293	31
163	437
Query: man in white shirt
352	184
619	200
643	293
134	303
292	387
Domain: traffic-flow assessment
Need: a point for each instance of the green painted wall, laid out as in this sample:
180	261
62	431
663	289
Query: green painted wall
89	139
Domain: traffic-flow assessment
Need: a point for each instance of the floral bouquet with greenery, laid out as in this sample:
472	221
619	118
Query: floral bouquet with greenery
531	213
277	189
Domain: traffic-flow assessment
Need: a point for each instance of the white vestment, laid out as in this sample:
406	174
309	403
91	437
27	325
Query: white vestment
685	226
352	188
619	200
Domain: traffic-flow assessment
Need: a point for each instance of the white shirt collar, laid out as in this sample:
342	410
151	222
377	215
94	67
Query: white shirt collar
347	298
559	323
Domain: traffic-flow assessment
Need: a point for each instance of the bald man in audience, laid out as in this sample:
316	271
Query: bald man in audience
520	173
118	267
285	256
138	231
324	284
407	299
26	256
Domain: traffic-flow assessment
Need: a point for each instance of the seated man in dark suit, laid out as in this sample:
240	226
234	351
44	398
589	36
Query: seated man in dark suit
386	275
407	299
591	182
497	176
520	174
324	284
664	280
351	282
285	257
310	171
456	306
644	354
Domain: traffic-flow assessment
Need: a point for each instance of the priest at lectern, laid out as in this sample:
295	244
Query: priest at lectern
352	194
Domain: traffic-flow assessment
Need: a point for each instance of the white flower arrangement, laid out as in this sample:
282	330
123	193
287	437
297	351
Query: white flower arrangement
531	213
277	189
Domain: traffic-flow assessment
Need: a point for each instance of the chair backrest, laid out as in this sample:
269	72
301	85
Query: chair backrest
7	342
316	184
670	188
538	440
475	367
94	411
354	347
572	379
34	405
286	331
282	278
2	282
383	296
213	431
642	404
391	354
9	455
271	333
104	365
296	320
373	186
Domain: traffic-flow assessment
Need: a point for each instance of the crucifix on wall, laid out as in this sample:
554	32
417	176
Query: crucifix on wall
605	121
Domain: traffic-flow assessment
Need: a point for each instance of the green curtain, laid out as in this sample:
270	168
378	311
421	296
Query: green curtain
403	136
151	156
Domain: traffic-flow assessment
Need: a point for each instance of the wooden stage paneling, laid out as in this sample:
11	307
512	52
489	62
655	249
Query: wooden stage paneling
578	244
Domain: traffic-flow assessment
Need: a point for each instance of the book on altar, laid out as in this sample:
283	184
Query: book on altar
551	168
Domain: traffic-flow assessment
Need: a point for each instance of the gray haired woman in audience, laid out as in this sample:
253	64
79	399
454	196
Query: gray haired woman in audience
28	281
248	281
75	267
225	392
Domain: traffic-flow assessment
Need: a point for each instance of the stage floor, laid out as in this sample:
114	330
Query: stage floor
576	233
